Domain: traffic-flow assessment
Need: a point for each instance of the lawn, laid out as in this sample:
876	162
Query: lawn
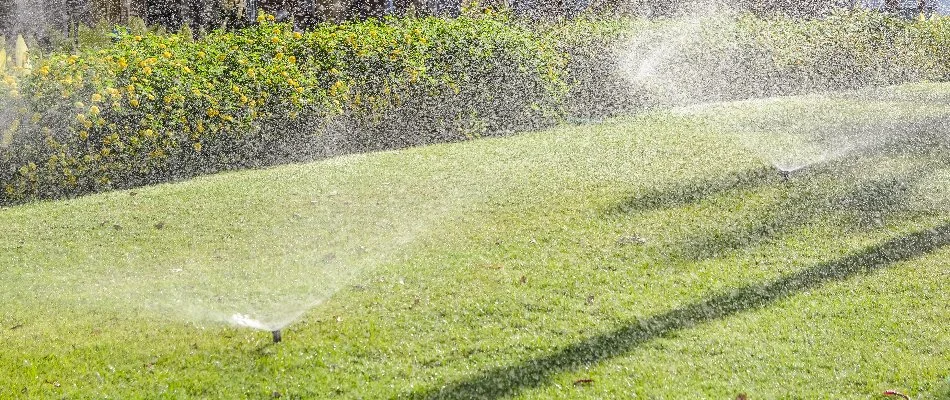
658	256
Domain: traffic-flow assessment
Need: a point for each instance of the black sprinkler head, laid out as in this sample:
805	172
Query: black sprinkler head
277	337
784	174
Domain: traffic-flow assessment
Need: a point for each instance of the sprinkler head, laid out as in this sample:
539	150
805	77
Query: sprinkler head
276	335
784	174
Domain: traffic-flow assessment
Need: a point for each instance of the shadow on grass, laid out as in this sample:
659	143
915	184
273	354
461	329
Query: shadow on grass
864	205
533	373
696	191
943	392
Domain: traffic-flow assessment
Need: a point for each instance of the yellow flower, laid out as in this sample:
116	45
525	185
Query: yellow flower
292	59
167	54
84	135
275	40
201	54
87	123
196	92
14	93
148	133
96	97
134	102
36	118
197	147
297	35
81	117
147	70
130	88
138	38
94	110
212	112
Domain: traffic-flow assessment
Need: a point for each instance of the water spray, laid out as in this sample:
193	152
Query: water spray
248	322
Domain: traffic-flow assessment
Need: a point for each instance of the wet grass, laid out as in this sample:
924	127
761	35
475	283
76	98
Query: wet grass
651	256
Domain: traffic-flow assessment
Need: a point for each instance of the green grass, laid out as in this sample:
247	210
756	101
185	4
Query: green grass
508	268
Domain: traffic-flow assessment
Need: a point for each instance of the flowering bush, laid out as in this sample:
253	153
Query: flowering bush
153	108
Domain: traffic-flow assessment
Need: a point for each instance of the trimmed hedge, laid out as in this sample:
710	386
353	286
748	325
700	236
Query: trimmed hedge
154	108
722	57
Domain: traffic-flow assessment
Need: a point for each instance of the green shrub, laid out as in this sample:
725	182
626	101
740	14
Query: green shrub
721	57
597	85
751	56
153	108
418	81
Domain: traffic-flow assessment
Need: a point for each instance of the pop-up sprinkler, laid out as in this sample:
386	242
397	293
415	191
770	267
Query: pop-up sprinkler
784	174
246	321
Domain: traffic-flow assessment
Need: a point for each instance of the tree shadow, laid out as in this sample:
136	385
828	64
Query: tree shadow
943	391
509	380
864	205
852	202
696	191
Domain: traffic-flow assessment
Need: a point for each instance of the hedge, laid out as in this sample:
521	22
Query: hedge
153	108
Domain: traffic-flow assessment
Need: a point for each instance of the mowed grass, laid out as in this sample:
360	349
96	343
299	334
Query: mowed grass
647	257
